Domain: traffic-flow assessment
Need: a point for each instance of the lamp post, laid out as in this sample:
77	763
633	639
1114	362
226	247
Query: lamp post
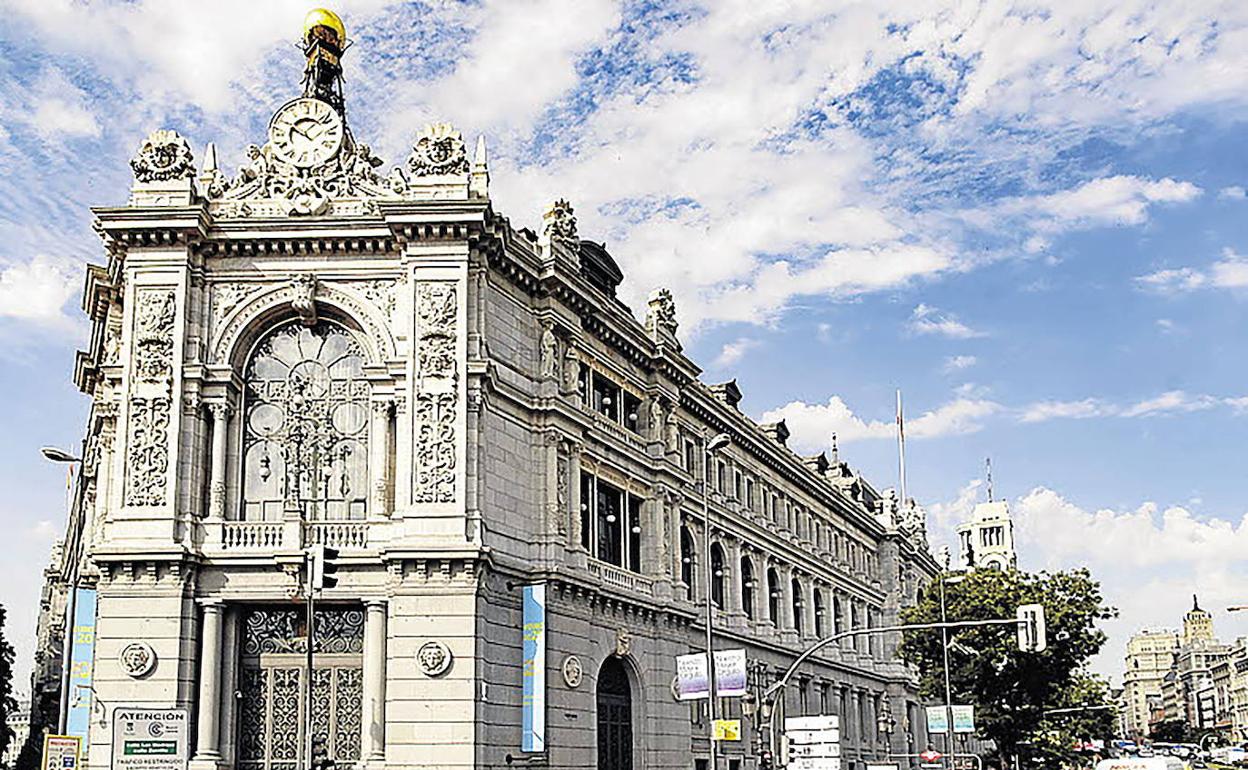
944	639
57	455
884	723
709	448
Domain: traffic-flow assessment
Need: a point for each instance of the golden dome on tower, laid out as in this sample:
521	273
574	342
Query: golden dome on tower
323	17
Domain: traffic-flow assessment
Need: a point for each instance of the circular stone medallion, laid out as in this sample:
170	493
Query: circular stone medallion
137	659
573	672
434	658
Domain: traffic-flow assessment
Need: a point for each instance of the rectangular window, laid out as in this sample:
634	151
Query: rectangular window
825	698
609	502
721	475
587	518
611	523
632	412
606	398
749	494
634	533
582	385
691	455
736	485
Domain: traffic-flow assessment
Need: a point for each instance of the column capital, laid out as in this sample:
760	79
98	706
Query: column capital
211	604
375	603
220	410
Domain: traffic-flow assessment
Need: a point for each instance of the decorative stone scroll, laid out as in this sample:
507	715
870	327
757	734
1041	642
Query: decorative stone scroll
266	184
163	157
437	393
439	150
150	403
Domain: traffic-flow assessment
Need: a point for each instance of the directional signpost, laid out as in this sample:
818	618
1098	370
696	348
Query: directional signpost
814	742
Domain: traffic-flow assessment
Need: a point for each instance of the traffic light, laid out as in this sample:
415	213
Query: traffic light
323	565
1031	630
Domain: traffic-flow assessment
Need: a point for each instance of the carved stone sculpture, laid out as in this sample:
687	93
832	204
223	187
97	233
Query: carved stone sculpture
439	150
571	370
559	224
163	157
550	352
662	311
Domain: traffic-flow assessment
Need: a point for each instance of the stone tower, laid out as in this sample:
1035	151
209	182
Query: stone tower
1197	625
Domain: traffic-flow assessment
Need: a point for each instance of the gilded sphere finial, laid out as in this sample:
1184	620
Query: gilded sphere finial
323	17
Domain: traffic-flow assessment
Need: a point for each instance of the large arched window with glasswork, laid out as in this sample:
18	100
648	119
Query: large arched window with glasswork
305	425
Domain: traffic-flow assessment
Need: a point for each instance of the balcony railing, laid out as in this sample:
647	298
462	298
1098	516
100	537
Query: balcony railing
621	578
254	536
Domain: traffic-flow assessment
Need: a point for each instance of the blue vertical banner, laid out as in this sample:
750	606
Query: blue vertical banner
533	716
81	665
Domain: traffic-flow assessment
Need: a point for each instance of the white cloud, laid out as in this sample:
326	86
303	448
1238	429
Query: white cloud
1050	410
1233	193
811	425
1172	280
958	363
1239	404
1229	272
1107	201
733	352
36	291
1170	402
928	320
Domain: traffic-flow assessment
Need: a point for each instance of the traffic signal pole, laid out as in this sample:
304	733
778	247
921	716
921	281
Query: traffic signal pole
310	620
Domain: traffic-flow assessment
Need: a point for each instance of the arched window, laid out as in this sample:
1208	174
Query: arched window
686	561
773	596
305	425
820	622
717	575
747	586
797	605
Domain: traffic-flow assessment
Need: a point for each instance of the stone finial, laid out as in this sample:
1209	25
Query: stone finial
479	182
661	316
163	157
559	224
438	151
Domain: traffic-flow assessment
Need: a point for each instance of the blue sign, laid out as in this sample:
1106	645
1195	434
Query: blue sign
533	715
81	664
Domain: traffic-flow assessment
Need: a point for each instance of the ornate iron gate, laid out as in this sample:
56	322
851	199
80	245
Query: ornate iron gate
270	726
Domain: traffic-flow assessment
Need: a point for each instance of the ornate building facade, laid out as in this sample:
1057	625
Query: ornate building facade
312	351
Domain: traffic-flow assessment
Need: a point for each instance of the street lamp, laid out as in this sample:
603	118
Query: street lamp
946	579
718	442
58	455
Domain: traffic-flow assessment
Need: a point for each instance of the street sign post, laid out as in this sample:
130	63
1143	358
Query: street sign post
814	742
149	739
61	752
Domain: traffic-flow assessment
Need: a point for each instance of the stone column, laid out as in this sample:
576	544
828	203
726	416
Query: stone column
732	584
208	734
220	412
373	718
379	458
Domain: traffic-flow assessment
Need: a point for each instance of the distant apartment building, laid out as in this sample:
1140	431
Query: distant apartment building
1150	655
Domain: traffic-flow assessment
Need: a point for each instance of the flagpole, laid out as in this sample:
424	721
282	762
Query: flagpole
901	450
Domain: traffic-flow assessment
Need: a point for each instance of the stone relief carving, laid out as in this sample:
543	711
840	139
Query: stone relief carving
153	336
227	296
662	312
561	492
623	643
137	659
559	224
438	150
274	186
163	157
573	672
434	658
380	292
437	394
148	450
550	352
304	300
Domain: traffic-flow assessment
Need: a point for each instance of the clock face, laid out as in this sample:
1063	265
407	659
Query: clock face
306	132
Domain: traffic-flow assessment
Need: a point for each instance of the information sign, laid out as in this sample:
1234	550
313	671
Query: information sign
963	719
61	752
149	739
727	729
937	719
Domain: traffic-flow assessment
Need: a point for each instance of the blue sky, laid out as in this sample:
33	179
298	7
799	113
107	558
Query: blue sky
1029	216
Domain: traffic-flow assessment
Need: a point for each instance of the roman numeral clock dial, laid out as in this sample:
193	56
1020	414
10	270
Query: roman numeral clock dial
306	132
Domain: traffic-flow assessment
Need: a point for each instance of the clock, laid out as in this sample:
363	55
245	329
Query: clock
306	132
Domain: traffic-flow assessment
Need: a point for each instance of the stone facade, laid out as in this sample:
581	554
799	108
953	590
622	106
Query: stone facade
383	363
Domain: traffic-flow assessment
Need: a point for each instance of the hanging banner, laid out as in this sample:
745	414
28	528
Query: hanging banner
937	719
150	739
692	677
533	714
81	665
730	673
963	719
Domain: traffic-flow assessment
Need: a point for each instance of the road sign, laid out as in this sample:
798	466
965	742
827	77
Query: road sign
60	752
814	763
820	722
963	719
814	749
149	739
1032	635
931	755
814	736
883	767
937	719
727	729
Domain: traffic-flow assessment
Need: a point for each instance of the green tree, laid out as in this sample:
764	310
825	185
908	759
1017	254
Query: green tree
8	704
1075	719
1010	689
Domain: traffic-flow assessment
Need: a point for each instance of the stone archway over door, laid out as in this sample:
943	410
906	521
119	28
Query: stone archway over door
615	717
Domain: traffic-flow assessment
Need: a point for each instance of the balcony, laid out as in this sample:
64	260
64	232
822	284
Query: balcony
273	536
617	577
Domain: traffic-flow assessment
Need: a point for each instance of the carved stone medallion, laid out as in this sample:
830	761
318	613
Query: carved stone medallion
438	150
137	659
573	671
434	658
163	156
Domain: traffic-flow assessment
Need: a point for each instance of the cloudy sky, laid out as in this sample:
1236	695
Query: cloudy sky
1029	216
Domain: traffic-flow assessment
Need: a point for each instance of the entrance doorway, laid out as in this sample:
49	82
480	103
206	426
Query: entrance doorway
615	717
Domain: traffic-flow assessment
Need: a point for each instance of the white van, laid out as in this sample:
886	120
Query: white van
1142	763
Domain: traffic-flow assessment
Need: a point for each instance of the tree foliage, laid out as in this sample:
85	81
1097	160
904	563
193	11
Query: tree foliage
1010	689
8	705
